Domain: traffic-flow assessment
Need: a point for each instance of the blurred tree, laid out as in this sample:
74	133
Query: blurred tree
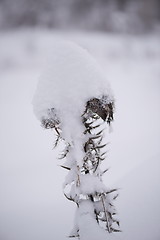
104	15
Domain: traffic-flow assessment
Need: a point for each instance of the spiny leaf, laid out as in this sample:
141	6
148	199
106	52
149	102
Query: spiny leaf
64	154
105	171
101	146
57	130
96	126
117	223
100	132
73	236
65	167
99	142
69	198
103	154
114	198
95	137
111	204
113	190
56	141
115	230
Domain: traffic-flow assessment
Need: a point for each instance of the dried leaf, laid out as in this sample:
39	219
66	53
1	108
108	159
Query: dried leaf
65	167
113	190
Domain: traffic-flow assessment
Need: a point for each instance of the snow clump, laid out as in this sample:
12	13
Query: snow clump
71	78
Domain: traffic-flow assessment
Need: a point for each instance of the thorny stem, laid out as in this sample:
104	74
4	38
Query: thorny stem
106	215
78	178
96	109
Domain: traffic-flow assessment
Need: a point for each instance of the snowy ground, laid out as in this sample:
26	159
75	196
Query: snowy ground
32	204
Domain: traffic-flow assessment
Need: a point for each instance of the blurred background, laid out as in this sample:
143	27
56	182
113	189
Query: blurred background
133	16
124	37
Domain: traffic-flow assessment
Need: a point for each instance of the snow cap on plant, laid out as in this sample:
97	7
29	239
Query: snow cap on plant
71	78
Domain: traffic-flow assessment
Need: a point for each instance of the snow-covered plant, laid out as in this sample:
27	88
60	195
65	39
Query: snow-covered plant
74	99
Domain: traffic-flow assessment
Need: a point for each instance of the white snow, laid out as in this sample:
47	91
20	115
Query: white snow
32	204
91	184
89	230
71	77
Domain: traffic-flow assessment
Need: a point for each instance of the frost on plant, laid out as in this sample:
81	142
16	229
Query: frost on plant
74	98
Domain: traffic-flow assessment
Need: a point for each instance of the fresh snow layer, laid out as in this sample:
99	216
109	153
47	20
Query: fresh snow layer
93	184
32	204
89	229
70	79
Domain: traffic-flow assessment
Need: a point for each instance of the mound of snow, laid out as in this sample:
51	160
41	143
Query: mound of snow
70	79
